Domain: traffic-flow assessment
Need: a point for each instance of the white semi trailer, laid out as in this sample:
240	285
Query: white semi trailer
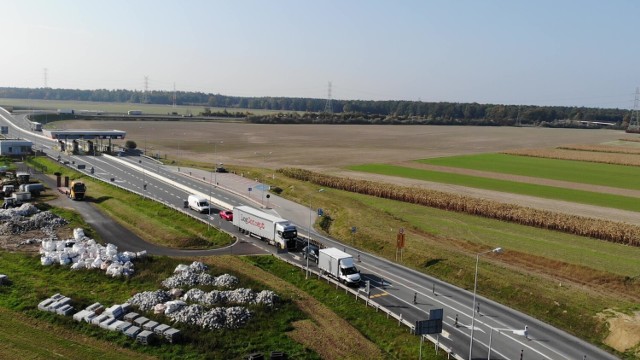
338	264
276	231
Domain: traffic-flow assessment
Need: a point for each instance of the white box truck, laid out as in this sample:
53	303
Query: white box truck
276	231
198	203
339	265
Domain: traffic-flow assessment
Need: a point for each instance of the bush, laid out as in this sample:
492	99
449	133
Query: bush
130	144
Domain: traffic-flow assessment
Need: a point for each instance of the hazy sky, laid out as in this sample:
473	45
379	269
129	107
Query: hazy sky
582	53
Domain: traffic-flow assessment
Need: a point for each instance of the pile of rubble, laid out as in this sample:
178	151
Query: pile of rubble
84	253
215	318
194	275
237	296
27	217
194	306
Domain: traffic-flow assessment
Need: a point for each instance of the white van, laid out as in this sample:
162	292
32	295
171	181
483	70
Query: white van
198	203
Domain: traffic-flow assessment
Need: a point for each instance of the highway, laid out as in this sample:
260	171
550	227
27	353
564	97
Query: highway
392	285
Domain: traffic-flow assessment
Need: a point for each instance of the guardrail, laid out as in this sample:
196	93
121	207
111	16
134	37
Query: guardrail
359	295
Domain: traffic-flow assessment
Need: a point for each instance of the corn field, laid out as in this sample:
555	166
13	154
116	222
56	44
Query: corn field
632	140
631	159
603	149
600	229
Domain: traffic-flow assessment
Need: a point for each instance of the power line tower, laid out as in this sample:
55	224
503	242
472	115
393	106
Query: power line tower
328	107
145	95
46	78
634	122
174	94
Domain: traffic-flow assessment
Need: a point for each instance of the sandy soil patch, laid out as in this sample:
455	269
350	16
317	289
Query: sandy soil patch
624	331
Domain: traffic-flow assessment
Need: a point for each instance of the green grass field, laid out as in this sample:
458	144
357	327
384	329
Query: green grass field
620	176
18	332
543	191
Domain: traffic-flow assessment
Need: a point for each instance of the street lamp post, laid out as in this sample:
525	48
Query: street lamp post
211	180
309	233
497	250
215	160
264	161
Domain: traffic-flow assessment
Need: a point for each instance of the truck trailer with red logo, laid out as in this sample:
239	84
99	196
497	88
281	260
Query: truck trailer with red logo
276	231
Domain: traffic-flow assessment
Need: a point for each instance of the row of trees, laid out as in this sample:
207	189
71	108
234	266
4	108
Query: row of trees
354	110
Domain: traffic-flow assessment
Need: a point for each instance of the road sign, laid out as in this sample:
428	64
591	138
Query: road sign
436	314
424	327
400	240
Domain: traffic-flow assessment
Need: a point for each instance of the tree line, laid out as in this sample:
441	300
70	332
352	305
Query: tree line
344	111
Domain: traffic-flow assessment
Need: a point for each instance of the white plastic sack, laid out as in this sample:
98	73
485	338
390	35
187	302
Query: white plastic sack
78	234
46	260
114	270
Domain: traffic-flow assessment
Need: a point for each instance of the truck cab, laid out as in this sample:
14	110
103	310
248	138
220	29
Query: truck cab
77	190
287	234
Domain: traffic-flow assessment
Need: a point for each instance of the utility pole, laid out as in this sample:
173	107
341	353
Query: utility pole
328	107
145	95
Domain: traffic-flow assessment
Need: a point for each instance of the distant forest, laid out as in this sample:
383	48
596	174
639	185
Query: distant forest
347	111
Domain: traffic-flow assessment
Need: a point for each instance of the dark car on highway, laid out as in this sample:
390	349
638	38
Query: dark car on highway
312	252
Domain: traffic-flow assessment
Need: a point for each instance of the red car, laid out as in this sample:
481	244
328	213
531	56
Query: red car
226	215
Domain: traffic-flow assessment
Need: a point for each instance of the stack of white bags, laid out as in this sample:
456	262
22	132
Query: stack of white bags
84	253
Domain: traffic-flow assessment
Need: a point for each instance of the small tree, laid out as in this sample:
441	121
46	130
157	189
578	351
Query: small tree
130	144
